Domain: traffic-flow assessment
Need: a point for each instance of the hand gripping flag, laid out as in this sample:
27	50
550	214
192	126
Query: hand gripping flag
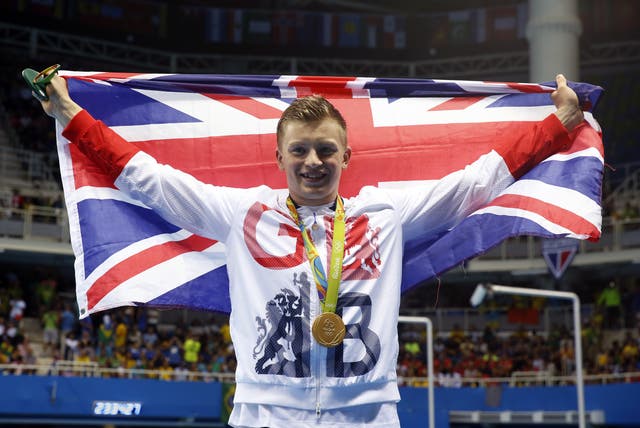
221	129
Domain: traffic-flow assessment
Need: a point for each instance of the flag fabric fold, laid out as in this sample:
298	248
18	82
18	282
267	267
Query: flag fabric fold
221	129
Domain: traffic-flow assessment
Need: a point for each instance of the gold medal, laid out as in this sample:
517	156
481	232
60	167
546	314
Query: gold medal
328	329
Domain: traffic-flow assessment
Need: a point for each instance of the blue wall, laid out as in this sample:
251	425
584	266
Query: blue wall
66	397
620	402
75	396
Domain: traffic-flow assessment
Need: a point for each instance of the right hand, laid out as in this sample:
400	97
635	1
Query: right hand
60	105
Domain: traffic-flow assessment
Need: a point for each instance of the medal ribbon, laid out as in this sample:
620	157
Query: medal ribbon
327	289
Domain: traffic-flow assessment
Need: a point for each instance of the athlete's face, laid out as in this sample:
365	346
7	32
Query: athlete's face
313	155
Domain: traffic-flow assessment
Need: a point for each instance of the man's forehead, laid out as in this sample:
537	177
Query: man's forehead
320	130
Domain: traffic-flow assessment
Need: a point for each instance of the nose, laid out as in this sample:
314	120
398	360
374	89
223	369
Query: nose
312	158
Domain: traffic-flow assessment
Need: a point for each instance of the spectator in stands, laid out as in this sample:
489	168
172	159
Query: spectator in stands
71	346
135	336
28	356
45	292
181	373
191	350
449	379
488	336
87	341
50	332
150	337
67	320
165	371
18	305
630	353
456	334
172	350
611	302
83	356
121	332
106	339
591	335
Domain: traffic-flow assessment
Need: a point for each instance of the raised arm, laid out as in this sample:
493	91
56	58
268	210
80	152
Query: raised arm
443	204
176	196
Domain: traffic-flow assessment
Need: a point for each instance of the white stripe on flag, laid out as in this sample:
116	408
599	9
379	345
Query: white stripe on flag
570	199
132	250
153	283
102	193
416	111
216	119
590	152
536	218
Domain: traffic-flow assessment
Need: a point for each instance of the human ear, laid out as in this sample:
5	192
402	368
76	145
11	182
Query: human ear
346	157
279	160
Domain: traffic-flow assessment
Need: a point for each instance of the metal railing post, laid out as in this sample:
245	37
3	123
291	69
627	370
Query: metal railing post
430	390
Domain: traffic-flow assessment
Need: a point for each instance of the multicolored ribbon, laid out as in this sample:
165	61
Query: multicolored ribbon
327	289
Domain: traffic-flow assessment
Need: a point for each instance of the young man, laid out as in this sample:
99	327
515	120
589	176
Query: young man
314	329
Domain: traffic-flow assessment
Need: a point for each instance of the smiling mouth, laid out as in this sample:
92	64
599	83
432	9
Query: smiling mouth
313	176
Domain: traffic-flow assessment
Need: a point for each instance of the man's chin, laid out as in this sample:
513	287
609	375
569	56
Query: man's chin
318	196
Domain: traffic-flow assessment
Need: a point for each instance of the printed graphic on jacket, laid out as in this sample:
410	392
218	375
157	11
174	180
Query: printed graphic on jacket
284	340
361	258
283	334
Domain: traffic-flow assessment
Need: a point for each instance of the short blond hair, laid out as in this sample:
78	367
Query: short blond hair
312	108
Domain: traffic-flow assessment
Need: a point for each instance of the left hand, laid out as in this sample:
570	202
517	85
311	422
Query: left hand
567	104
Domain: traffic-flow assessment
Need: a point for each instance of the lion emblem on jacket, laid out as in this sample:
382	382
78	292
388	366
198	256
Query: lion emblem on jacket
282	346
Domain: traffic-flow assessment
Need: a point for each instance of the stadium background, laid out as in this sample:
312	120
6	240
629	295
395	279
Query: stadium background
474	40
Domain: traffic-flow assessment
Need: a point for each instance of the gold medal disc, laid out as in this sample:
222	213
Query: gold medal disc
328	329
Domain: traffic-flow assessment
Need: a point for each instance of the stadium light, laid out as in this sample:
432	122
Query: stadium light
482	290
427	322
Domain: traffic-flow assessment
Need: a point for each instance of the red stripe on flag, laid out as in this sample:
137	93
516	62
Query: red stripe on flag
553	213
322	85
585	137
530	88
248	105
142	261
249	160
458	103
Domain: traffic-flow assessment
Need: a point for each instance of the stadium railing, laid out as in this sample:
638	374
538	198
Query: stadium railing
92	369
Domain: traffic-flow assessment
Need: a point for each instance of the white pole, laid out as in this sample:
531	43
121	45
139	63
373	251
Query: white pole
553	32
577	337
427	322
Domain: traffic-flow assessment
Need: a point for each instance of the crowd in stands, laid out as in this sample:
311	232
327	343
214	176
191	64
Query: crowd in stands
488	355
134	338
125	338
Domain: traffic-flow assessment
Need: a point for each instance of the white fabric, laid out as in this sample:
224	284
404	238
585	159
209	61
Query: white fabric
365	416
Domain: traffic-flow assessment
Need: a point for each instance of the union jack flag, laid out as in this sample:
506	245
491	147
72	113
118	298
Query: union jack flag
221	129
